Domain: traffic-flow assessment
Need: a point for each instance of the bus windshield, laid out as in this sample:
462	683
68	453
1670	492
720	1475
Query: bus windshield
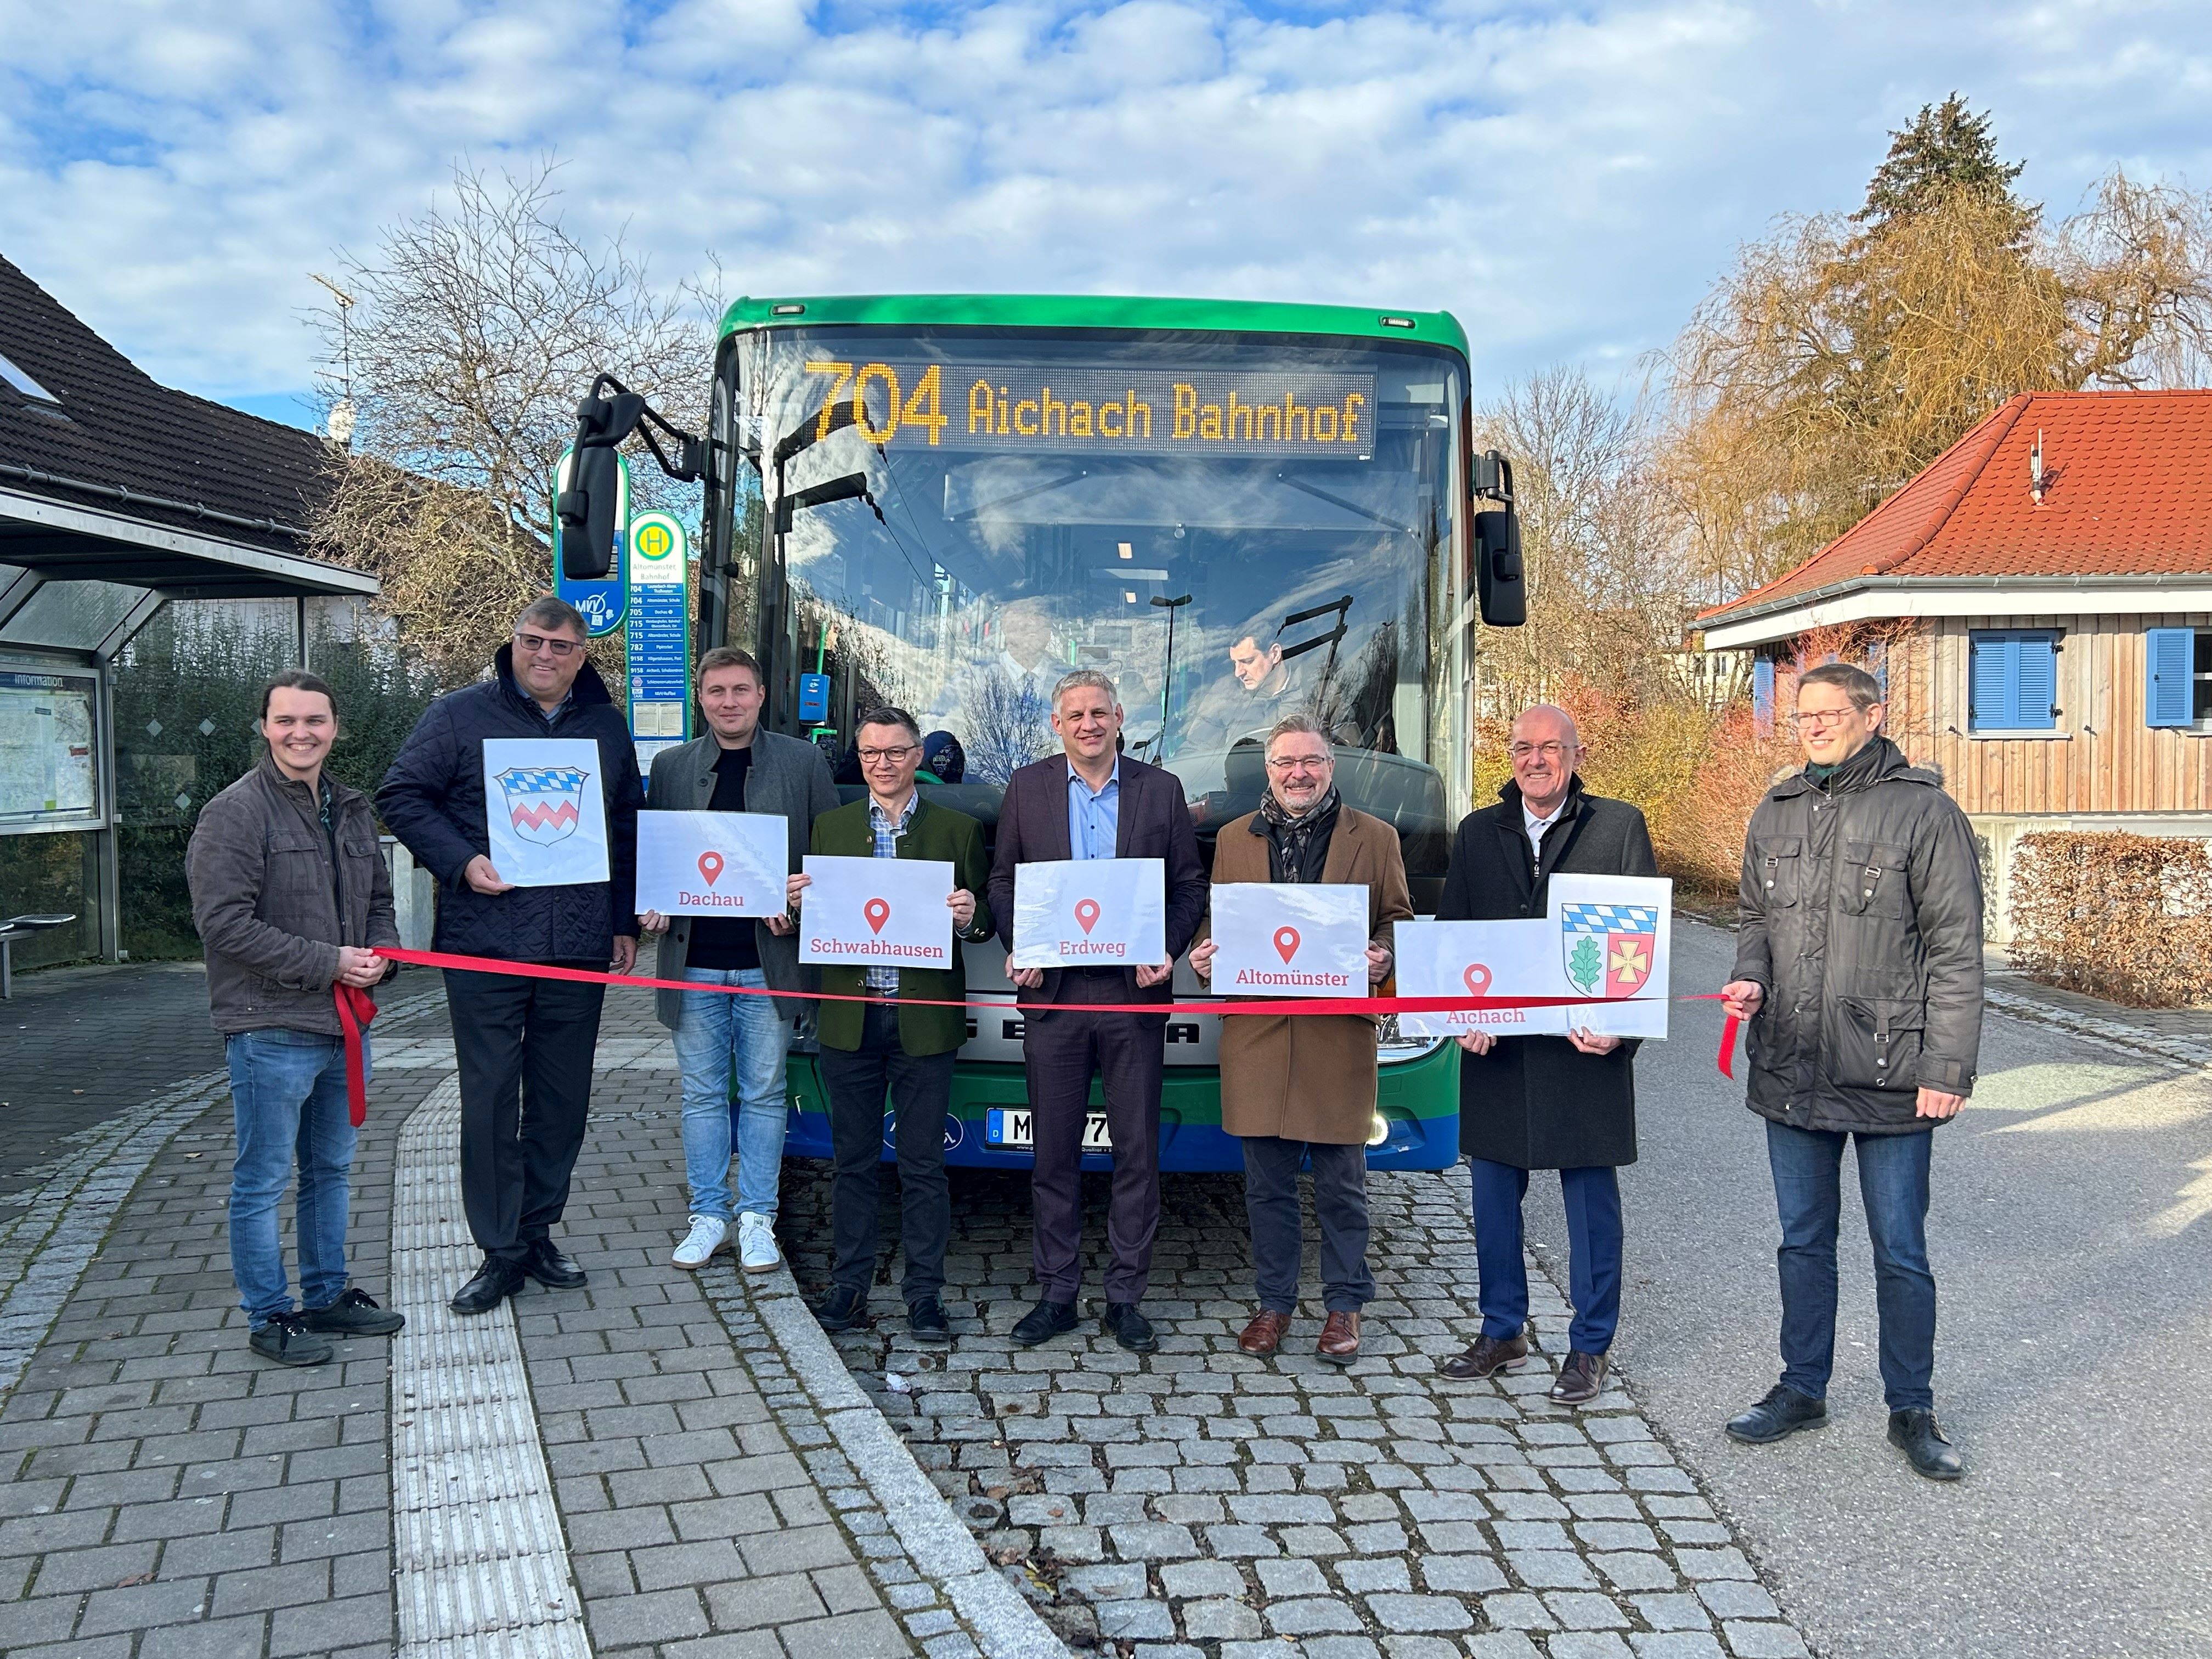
1232	527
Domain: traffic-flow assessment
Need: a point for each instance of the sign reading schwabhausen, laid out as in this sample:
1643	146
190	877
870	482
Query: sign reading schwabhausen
1036	408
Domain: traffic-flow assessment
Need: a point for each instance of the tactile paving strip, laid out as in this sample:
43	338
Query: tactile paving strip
481	1566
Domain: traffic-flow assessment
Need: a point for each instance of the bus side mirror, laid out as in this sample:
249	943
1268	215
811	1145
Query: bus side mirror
1498	586
587	512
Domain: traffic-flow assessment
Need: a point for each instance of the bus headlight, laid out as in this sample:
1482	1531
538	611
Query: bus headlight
1378	1130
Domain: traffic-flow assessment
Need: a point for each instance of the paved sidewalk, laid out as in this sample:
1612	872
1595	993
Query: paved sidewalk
163	1492
1198	1501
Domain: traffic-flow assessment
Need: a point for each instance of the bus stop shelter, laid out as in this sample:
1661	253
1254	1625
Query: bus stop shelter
120	497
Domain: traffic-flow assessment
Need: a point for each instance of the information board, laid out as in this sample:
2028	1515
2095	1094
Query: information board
49	748
657	636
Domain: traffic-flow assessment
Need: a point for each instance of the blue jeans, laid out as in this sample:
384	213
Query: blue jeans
1808	1194
287	1091
719	1037
1594	1241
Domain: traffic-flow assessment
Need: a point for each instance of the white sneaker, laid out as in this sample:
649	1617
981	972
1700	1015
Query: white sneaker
707	1235
756	1251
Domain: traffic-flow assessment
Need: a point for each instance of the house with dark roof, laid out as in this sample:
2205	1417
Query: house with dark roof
2039	603
120	497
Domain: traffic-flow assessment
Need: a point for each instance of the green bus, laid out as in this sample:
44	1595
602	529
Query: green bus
1235	510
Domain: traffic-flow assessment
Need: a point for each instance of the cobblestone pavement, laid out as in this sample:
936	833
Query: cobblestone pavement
1197	1501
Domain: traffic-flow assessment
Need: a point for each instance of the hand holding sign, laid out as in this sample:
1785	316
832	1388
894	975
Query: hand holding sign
1074	913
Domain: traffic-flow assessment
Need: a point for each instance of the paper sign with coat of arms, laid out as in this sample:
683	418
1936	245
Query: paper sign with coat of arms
1606	938
545	810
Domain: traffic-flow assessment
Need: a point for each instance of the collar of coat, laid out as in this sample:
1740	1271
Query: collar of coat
1569	807
297	792
1887	764
589	688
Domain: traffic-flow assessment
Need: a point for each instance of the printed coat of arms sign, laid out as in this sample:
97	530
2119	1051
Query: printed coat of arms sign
1608	949
545	810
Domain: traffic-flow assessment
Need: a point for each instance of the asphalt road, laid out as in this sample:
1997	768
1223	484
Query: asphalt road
2073	1258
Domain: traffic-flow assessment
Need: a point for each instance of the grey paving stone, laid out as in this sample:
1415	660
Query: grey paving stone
1192	1580
1281	1579
1677	1645
1762	1640
1733	1599
1311	1617
1419	1612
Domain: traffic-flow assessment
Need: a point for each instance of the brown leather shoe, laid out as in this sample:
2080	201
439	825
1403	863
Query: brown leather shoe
1579	1379
1486	1354
1339	1339
1265	1334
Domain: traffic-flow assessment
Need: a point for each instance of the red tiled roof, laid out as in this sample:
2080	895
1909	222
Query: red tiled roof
2127	491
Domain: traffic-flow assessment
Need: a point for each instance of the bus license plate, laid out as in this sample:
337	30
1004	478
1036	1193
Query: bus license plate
1010	1127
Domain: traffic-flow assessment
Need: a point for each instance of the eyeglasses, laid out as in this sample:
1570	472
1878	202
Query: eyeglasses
1302	764
1548	750
896	756
1819	717
531	644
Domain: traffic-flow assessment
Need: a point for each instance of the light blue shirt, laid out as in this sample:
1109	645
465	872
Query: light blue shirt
1093	820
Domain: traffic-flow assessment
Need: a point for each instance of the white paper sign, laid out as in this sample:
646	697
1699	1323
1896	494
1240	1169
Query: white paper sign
1295	939
1605	934
1090	912
880	912
545	809
711	864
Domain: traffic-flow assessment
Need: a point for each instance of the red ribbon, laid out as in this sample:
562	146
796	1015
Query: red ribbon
357	1008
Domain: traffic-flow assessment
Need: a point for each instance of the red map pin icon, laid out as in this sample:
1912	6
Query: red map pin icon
1086	914
710	866
1478	979
877	911
1286	943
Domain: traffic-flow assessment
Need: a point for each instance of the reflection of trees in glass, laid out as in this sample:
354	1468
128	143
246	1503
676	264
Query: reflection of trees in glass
1008	726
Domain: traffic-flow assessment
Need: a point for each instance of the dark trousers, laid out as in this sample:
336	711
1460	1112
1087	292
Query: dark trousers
1061	1053
524	1050
1592	1201
920	1088
1271	1200
1808	1166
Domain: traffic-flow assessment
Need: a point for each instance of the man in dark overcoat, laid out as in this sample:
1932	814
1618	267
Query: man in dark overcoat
1544	1102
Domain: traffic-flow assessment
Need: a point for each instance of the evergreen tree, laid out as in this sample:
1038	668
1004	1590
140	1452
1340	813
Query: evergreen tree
1946	149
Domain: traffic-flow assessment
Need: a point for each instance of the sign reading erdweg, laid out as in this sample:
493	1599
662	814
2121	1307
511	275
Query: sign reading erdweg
1090	912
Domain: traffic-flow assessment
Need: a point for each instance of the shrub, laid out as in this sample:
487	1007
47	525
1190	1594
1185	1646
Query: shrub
2127	918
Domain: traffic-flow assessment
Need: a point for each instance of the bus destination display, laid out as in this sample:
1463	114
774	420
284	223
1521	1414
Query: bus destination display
1033	409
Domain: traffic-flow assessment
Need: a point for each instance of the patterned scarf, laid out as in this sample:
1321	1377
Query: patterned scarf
1297	847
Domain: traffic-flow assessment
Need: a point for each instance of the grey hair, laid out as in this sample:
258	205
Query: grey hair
1860	687
1298	723
1084	679
549	610
887	714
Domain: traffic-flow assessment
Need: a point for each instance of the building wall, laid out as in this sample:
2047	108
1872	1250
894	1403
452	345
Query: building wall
2101	759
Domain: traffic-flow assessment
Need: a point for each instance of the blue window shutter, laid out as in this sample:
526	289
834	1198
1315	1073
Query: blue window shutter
2035	683
1762	695
1992	668
2170	655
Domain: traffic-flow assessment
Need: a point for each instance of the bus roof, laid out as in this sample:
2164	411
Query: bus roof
1064	310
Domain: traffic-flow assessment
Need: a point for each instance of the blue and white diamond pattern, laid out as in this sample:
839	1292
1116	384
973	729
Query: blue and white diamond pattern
1609	918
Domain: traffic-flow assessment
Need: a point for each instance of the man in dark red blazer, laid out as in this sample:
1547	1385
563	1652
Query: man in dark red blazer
1092	801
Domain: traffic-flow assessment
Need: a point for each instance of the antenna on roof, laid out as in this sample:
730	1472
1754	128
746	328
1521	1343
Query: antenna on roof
2037	480
341	421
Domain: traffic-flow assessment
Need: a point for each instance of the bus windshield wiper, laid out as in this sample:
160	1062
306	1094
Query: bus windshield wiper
1334	500
1045	488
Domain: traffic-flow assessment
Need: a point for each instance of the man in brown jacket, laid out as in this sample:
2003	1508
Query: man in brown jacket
1302	1090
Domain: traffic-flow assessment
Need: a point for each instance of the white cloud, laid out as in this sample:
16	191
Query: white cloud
1566	179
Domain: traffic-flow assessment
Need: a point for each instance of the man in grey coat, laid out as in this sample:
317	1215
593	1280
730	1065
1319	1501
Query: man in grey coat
1859	969
735	767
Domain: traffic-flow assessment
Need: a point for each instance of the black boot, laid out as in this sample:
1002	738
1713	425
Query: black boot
1043	1323
1918	1437
1784	1412
555	1272
843	1310
1123	1322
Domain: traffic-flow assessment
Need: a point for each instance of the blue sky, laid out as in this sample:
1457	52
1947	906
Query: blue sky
1568	179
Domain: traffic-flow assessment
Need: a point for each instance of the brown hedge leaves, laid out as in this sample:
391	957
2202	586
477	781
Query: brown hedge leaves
2127	918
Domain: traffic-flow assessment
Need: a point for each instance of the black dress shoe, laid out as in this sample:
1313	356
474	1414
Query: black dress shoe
925	1323
1127	1326
495	1281
1784	1411
1916	1434
555	1272
843	1310
1043	1323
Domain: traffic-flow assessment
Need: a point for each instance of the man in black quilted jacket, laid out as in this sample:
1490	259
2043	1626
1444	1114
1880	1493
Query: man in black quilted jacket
524	1047
1859	968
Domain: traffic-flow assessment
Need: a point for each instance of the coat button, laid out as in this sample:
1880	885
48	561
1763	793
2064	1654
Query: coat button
1770	884
1868	893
